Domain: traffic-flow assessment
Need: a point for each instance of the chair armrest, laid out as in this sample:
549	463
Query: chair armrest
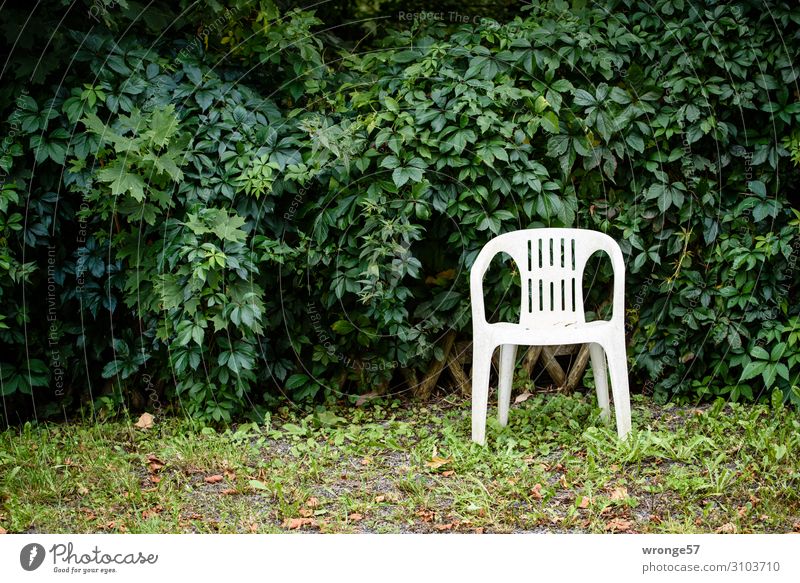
476	273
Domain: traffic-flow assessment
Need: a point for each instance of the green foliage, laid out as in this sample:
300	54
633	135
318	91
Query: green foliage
262	210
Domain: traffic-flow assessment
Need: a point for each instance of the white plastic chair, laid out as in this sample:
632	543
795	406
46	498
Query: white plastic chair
551	264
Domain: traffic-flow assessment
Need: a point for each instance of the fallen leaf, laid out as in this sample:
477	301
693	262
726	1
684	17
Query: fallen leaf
155	479
619	493
306	512
355	517
742	511
82	490
754	500
297	523
230	474
443	527
3	530
379	499
366	461
727	528
153	463
151	512
228	492
448	473
312	502
145	421
437	462
478	530
584	503
796	526
536	491
655	519
563	481
365	398
253	527
522	397
426	515
618	525
213	479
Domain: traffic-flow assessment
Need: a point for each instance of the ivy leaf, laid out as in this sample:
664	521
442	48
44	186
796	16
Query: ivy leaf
757	187
584	99
227	227
753	369
123	181
163	125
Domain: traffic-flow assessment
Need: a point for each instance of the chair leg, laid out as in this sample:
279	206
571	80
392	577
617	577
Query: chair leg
618	367
600	378
481	366
508	356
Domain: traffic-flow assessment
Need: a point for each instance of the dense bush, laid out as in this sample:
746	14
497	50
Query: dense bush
258	209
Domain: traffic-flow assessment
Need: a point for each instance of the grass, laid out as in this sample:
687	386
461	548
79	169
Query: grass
403	467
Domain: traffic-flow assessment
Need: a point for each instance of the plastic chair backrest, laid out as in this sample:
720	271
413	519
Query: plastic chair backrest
551	264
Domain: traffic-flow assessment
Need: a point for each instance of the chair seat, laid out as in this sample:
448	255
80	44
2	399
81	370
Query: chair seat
550	334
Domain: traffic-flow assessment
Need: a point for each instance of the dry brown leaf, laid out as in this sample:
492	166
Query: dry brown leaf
306	512
536	491
742	511
153	463
215	479
618	525
584	503
145	421
522	397
312	502
655	519
365	398
151	512
448	473
379	499
619	493
230	474
355	516
727	528
478	530
3	530
366	461
443	527
155	479
426	515
253	527
563	481
228	492
83	490
437	462
297	523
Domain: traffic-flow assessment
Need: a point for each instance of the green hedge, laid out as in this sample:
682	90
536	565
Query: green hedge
246	207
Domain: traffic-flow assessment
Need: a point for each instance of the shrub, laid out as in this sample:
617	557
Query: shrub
259	211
